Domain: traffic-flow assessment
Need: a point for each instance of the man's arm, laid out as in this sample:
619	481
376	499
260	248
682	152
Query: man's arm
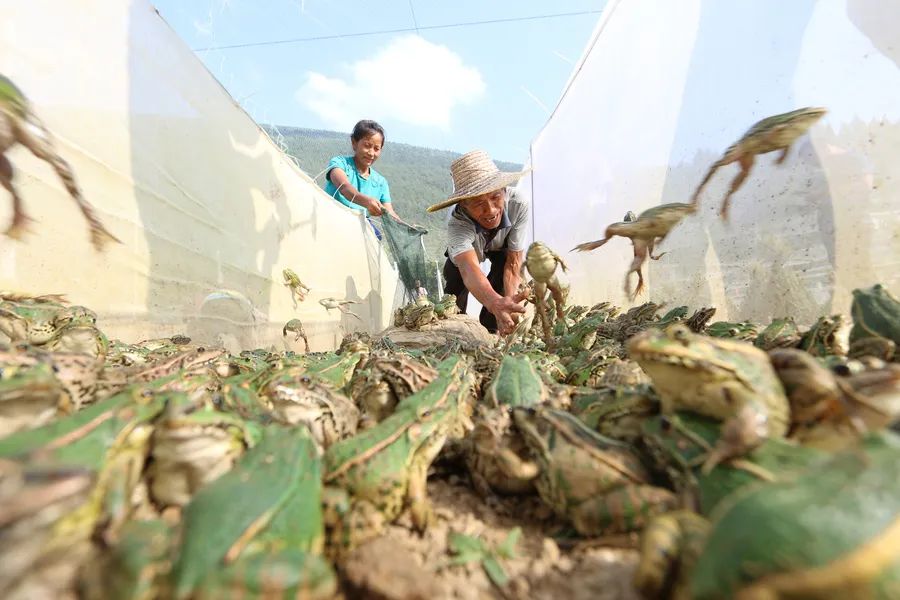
342	182
512	272
501	307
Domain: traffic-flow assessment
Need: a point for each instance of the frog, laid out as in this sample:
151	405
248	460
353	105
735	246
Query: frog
588	367
384	380
446	307
777	132
649	230
29	319
299	290
76	373
341	305
76	332
113	380
599	484
849	552
374	475
780	333
418	315
876	322
20	125
495	453
295	326
258	530
634	319
617	412
357	342
698	321
541	263
30	396
725	379
193	445
295	397
829	335
743	330
332	368
38	560
623	373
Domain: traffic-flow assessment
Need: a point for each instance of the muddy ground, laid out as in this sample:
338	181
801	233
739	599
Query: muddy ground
404	565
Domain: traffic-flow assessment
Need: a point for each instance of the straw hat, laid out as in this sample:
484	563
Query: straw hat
474	174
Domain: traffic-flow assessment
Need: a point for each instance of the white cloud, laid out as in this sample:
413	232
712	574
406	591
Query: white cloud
410	80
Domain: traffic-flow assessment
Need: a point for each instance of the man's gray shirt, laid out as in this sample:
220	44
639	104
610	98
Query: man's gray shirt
463	233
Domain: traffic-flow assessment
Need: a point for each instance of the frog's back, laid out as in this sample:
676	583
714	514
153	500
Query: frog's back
833	517
12	97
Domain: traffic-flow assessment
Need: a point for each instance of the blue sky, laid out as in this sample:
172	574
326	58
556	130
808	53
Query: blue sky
488	86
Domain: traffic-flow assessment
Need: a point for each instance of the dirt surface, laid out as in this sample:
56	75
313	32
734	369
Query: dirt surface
404	565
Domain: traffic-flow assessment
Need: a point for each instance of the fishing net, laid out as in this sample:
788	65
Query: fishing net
407	249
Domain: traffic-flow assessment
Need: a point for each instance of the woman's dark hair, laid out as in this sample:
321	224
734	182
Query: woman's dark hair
365	128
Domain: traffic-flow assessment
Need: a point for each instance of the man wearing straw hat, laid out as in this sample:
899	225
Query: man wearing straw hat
488	221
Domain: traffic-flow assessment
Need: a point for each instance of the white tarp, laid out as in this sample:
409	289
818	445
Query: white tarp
209	210
664	87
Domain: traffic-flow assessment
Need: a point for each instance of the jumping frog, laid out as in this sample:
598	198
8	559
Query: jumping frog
780	333
541	262
876	322
772	133
384	469
299	290
598	483
341	305
720	378
20	125
295	326
649	230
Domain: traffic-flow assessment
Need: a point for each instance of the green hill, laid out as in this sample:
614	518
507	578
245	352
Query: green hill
418	176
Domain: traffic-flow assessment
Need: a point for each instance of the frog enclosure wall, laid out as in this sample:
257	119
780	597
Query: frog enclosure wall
663	88
208	208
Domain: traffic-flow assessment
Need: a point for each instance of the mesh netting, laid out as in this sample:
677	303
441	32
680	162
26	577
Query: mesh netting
407	248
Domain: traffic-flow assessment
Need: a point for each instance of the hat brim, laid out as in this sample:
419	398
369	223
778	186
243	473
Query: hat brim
499	182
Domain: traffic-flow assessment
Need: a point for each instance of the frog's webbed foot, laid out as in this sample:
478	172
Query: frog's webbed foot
417	496
740	434
588	246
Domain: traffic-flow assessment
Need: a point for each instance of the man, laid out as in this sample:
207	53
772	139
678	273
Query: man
488	222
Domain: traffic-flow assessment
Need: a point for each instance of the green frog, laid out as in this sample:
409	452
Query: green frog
76	373
777	132
697	322
597	483
299	290
77	332
495	453
191	446
29	319
295	326
446	307
541	263
380	471
297	398
649	230
258	530
725	379
780	333
876	322
384	380
340	305
835	525
19	125
418	315
618	412
829	335
625	373
30	396
744	330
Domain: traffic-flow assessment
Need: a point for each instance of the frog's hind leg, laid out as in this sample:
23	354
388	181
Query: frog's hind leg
623	510
34	136
783	156
640	256
588	246
650	250
746	164
20	220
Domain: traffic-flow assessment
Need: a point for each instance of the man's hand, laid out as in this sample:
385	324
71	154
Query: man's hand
372	205
507	312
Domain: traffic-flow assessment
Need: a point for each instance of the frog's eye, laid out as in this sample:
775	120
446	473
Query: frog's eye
665	424
305	380
680	334
842	370
423	413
